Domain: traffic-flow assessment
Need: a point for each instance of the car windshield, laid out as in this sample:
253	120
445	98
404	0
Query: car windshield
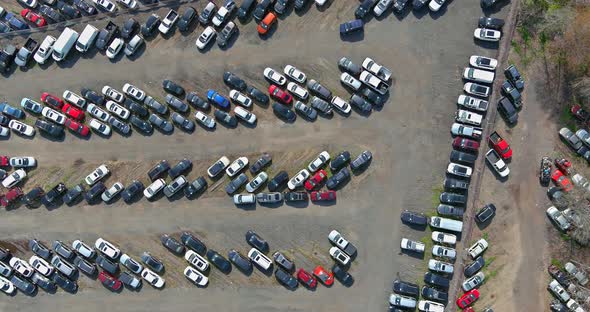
490	33
484	61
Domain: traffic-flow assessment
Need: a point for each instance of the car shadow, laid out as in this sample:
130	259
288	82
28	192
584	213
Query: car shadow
270	32
298	204
492	45
495	8
303	10
354	37
271	205
326	203
137	53
70	60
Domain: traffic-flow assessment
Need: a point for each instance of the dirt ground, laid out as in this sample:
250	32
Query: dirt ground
409	138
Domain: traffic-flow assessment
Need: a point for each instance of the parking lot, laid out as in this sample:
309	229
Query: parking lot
409	138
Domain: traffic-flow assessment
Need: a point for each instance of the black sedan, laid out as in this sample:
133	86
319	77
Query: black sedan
219	261
338	178
240	261
256	241
233	81
411	217
93	96
48	127
361	104
295	196
179	168
195	100
491	23
158	170
65	283
73	194
436	280
340	161
344	277
132	190
185	21
152	262
434	294
474	267
286	279
280	179
39	249
264	160
283	112
257	95
236	183
141	124
225	118
107	264
452	198
129	28
172	87
190	241
487	212
23	285
406	288
172	244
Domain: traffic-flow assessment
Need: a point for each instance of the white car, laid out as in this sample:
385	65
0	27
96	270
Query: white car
468	117
152	278
45	50
223	12
205	120
435	5
107	248
466	131
131	263
478	248
317	163
40	265
53	115
100	127
294	73
97	174
14	178
444	238
236	166
113	94
97	112
245	115
440	266
348	80
115	47
297	90
109	194
83	249
168	22
298	179
274	76
259	258
195	276
22	162
378	70
131	4
240	98
430	306
196	260
483	62
478	75
21	128
459	170
473	103
577	273
402	301
339	255
206	36
444	252
134	92
154	188
218	167
559	291
117	109
411	245
373	82
7	286
574	306
242	199
381	7
320	2
256	182
106	5
557	217
30	3
21	266
74	98
487	34
473	282
341	104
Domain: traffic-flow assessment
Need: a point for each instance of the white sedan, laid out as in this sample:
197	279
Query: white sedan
154	188
107	248
53	115
298	179
341	104
22	162
134	92
195	276
97	112
350	81
444	238
245	115
21	128
487	34
295	73
205	120
274	76
196	260
430	306
6	286
74	98
41	265
483	62
106	5
97	174
100	127
317	163
256	182
440	266
240	98
339	255
115	47
444	252
206	36
297	90
113	94
117	109
109	194
236	166
152	278
14	178
83	249
21	266
131	4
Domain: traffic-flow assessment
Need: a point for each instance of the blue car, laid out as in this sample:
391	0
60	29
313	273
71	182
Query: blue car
31	106
11	111
351	27
15	23
218	99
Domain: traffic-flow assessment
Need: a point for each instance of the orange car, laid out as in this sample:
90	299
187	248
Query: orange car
266	23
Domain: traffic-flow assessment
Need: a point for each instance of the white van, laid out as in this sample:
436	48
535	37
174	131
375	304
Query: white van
478	75
64	44
446	224
86	39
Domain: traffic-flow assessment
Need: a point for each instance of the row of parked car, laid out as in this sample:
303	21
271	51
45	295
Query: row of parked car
567	287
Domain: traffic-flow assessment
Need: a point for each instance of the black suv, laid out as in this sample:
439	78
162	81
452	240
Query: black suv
158	170
150	25
487	212
180	168
280	179
364	9
411	217
512	74
33	197
94	192
405	288
132	191
507	110
187	18
129	28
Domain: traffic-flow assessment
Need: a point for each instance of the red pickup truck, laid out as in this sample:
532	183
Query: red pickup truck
500	145
11	196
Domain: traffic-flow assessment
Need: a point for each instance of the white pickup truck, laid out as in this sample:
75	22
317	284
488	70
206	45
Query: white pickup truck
468	117
342	243
497	163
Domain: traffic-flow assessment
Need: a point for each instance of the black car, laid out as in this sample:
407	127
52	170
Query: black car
278	180
225	118
340	161
95	191
190	241
295	196
150	25
172	244
351	27
399	5
129	280
338	178
85	7
43	282
452	198
181	167
93	96
195	187
450	211
436	280
106	35
65	283
261	9
73	194
67	10
342	275
490	23
474	266
360	104
373	97
264	160
486	4
411	217
361	161
233	81
135	107
63	250
507	110
236	183
141	124
121	127
434	294
49	128
152	262
257	95
176	103
4	120
172	87
286	279
33	197
510	91
85	266
484	214
218	261
129	28
55	192
193	99
512	74
300	4
283	261
23	285
406	288
364	9
463	158
132	190
256	241
419	4
283	112
39	249
187	18
455	184
224	36
245	9
306	111
240	261
207	14
51	14
158	170
5	254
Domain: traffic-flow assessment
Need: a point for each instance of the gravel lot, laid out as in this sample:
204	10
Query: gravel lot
409	138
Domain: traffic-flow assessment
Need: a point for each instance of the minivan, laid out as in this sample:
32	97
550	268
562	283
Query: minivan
86	39
446	224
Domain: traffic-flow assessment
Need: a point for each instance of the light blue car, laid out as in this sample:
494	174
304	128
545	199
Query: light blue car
31	106
11	111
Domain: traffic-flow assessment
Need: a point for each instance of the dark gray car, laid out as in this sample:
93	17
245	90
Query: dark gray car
283	261
278	180
452	198
373	97
43	282
39	249
455	184
176	103
321	105
411	217
269	198
338	178
65	283
434	294
23	285
264	160
155	105
226	34
307	111
225	118
286	279
195	187
254	240
195	100
152	262
486	213
406	288
120	126
436	280
347	65
450	211
361	104
63	250
135	107
192	242
257	95
130	280
161	123
361	161
463	158
132	190
73	194
172	244
474	266
321	91
236	183
107	265
243	263
182	122
180	168
141	124
85	266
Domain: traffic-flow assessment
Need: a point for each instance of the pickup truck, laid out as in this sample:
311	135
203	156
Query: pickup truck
106	35
468	117
342	243
500	145
473	103
24	54
10	197
466	131
7	56
497	163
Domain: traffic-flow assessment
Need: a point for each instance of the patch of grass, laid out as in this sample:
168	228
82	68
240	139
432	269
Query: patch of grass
491	274
486	236
567	119
435	199
557	263
565	237
489	261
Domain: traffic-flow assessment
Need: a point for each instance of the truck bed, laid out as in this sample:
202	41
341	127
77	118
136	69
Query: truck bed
31	44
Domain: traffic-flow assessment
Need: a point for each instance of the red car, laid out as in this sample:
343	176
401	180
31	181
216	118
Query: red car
562	181
77	127
306	278
52	100
12	195
323	195
564	165
72	111
327	278
468	298
580	113
109	281
316	180
33	17
280	95
4	161
465	144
